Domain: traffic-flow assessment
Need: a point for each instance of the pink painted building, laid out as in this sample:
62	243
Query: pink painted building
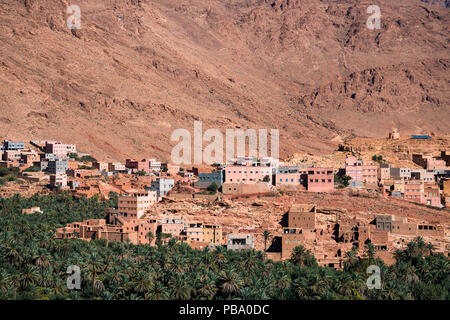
288	179
414	191
143	227
363	173
431	195
436	164
59	149
136	165
135	204
173	225
370	175
320	179
247	174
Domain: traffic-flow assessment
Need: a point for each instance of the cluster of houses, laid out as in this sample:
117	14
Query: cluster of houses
129	223
329	241
250	175
419	185
242	176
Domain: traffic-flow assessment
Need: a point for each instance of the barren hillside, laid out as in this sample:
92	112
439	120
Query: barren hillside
137	70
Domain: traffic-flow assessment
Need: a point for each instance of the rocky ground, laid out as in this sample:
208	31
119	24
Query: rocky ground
138	70
254	215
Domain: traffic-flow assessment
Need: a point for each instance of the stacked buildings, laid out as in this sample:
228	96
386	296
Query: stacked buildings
329	238
363	173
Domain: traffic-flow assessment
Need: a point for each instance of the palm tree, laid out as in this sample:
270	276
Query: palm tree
266	234
29	276
231	282
181	290
151	236
208	288
143	283
95	269
370	253
14	280
302	257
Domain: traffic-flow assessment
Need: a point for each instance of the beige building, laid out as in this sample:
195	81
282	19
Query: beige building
135	204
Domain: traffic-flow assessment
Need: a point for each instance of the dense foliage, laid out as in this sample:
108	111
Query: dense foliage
34	265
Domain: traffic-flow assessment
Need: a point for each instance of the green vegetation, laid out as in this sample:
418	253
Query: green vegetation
267	236
213	187
378	158
34	265
73	156
141	173
86	158
266	178
85	167
32	169
8	174
7	171
342	180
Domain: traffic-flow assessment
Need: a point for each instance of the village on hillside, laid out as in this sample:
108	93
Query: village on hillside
246	203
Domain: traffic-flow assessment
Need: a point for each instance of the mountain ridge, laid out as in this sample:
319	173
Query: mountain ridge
137	70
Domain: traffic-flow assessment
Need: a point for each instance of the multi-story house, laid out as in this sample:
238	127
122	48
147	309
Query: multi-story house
194	231
414	191
212	233
353	169
100	166
206	179
384	171
320	179
240	241
363	173
57	166
247	174
136	165
9	145
11	155
400	173
173	225
427	176
116	167
59	149
431	195
58	180
162	186
369	175
134	205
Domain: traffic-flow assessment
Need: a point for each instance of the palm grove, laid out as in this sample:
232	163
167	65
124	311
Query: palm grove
34	265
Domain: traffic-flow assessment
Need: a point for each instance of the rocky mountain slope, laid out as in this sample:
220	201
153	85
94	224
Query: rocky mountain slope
139	69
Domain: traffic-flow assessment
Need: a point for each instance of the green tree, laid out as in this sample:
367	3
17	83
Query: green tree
213	187
267	236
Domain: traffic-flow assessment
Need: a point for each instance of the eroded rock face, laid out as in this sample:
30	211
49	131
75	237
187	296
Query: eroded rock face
137	70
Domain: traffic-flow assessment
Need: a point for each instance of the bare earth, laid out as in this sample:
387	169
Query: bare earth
137	70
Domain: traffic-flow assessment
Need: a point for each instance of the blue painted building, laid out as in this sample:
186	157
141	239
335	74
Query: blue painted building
9	145
206	179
